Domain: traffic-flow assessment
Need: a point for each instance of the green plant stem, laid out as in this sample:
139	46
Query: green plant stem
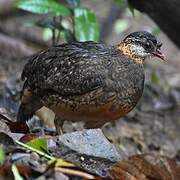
54	32
59	32
35	150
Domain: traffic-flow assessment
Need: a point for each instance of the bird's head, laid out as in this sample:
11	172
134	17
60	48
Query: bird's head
140	45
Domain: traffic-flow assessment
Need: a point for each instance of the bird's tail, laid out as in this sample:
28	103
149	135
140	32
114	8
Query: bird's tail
23	115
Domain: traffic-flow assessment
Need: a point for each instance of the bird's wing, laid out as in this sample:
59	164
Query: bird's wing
69	69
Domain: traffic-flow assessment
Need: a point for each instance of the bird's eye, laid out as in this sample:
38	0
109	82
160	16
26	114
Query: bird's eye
148	45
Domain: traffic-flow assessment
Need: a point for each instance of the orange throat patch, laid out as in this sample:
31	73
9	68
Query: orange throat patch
127	51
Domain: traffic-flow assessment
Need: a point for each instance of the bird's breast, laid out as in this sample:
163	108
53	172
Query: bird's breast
90	112
100	106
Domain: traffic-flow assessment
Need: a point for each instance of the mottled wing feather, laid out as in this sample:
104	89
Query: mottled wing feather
69	69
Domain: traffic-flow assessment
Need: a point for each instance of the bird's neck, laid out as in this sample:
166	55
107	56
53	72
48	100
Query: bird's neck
128	51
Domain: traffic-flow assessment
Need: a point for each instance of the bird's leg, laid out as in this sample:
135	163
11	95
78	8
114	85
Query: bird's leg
58	122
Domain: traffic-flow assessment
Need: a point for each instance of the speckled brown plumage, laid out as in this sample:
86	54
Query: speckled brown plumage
82	81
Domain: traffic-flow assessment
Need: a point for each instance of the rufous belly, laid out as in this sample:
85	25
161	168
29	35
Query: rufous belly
90	113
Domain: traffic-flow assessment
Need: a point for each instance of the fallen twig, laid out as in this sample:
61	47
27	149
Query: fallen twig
74	172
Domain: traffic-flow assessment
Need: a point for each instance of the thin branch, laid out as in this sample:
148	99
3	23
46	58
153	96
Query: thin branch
73	172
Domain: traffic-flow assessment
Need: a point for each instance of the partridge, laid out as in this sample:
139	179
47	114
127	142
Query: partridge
87	81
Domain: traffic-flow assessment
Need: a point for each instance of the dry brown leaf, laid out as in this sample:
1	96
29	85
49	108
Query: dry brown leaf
28	137
146	167
15	127
24	170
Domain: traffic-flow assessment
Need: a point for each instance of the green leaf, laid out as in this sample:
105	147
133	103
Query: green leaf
2	155
53	160
43	7
16	174
86	25
73	3
40	152
39	144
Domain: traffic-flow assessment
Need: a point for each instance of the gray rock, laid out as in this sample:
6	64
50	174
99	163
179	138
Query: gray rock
90	142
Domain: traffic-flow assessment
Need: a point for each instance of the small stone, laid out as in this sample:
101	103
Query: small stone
90	142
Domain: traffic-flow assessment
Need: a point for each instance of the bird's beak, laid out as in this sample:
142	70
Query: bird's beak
159	54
